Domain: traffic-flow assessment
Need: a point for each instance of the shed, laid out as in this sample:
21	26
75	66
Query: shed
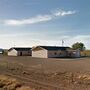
19	51
74	53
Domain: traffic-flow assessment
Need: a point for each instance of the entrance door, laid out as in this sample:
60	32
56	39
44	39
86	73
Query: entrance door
20	53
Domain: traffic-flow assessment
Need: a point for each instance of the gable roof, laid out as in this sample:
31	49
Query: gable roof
53	47
20	49
1	49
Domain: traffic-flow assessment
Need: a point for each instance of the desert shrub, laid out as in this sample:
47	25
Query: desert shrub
25	88
7	83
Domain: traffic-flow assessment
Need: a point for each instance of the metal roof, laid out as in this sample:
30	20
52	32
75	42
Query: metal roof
20	49
54	47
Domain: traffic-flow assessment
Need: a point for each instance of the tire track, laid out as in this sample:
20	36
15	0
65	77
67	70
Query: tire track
36	83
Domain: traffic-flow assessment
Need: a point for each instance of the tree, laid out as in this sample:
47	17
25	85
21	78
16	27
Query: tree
78	45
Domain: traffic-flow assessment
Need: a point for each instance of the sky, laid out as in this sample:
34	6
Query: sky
27	23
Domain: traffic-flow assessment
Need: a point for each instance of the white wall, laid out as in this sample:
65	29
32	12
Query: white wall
48	54
12	53
77	54
40	53
24	53
74	54
58	53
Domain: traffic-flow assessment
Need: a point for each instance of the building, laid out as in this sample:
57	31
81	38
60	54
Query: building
74	53
18	51
54	52
49	51
1	51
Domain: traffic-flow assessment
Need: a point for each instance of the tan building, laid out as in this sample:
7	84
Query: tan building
18	51
49	51
54	52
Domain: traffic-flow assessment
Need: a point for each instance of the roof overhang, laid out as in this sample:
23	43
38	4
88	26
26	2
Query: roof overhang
37	48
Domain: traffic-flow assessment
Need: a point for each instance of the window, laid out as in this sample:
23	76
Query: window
20	53
29	52
55	53
60	53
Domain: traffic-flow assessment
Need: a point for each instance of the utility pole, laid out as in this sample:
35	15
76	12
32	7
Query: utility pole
14	44
62	43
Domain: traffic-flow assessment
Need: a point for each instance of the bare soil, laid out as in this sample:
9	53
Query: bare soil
48	74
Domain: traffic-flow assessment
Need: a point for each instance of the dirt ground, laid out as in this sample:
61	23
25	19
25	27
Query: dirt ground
48	74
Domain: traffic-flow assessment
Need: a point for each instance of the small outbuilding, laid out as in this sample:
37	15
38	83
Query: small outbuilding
1	51
49	51
19	51
74	53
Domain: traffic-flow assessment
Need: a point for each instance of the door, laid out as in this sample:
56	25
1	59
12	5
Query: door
20	53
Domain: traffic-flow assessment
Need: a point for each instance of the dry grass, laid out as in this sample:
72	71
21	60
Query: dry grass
8	83
25	88
85	53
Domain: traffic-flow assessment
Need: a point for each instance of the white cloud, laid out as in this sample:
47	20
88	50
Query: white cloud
68	40
38	18
63	13
32	40
79	38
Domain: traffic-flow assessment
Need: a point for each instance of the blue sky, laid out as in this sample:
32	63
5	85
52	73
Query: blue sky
44	22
